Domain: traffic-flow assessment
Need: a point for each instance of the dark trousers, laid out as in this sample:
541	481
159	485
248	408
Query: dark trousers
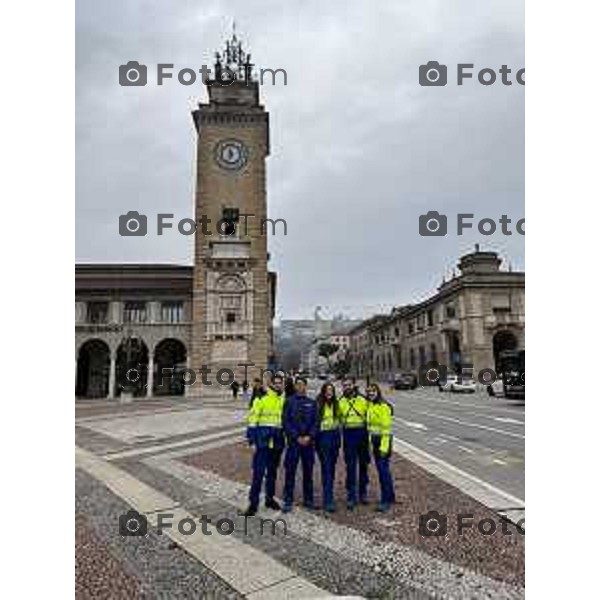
264	466
356	457
328	448
386	483
295	453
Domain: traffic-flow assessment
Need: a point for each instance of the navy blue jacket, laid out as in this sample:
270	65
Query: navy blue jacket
300	417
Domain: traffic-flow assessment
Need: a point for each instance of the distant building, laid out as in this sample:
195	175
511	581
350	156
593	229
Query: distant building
314	362
468	321
296	339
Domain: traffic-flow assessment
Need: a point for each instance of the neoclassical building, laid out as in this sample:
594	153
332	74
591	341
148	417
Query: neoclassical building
470	319
150	303
216	313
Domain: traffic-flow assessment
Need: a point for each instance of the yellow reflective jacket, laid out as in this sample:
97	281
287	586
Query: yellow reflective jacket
328	420
379	424
265	419
353	411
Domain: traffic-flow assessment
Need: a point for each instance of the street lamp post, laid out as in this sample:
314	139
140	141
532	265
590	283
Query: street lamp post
130	378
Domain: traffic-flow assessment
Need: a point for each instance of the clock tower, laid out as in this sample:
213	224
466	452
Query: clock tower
232	300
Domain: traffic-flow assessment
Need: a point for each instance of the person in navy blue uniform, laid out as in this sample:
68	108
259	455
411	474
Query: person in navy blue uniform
328	441
300	421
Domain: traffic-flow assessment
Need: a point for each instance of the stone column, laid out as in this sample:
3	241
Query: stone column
187	390
80	312
154	312
114	311
150	380
112	376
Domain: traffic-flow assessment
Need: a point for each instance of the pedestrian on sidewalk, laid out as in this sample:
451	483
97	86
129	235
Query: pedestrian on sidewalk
245	390
265	434
257	390
353	416
235	388
379	423
300	427
328	441
290	387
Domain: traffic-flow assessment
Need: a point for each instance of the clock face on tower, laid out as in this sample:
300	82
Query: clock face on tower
231	155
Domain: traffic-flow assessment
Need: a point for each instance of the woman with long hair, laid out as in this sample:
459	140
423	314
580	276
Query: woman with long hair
328	441
379	425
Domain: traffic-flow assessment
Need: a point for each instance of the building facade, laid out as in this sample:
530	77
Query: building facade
314	362
215	315
467	323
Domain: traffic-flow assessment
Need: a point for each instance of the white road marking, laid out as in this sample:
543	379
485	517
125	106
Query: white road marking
508	420
248	570
465	449
448	436
413	425
437	441
482	405
483	415
476	425
499	462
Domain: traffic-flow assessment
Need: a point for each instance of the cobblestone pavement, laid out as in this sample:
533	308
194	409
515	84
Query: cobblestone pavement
190	461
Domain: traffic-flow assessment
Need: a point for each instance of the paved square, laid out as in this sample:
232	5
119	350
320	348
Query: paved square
192	462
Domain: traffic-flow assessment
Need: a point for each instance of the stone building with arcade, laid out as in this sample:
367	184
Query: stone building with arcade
468	321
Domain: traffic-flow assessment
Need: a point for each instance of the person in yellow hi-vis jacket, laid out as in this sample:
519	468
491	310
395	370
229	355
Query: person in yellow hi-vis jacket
265	433
352	408
379	425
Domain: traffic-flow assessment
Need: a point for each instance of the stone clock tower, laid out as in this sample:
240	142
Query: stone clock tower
232	293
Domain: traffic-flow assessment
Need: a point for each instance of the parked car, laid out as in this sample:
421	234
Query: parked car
404	381
496	389
514	385
511	386
454	383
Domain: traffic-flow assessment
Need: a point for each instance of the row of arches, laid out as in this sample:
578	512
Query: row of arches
100	375
449	354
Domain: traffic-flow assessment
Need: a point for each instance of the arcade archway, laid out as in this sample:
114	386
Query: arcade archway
171	355
502	341
454	351
93	370
132	367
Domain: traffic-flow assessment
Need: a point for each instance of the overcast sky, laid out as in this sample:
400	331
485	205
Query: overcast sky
358	148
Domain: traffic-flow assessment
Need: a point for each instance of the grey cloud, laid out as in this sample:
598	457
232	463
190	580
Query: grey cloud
359	149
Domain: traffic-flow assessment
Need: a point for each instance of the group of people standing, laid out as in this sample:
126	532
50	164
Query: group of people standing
283	418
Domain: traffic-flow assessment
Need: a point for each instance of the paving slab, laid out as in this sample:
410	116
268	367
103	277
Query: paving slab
241	566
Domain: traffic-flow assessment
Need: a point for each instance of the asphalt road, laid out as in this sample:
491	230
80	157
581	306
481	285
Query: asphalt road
478	434
482	436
